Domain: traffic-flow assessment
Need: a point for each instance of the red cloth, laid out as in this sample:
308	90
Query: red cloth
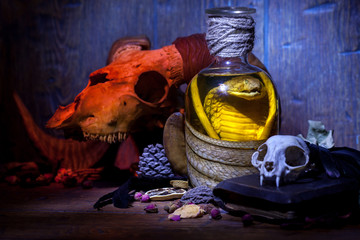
127	154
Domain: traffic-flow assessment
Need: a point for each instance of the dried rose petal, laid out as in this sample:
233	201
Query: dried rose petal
173	217
151	208
215	213
145	198
12	179
189	211
138	196
49	176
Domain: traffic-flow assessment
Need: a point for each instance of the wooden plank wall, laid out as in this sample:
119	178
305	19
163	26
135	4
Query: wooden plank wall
49	47
313	54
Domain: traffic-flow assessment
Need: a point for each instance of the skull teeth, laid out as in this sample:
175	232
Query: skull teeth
109	138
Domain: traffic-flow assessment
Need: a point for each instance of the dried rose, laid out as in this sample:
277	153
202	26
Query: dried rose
215	214
174	217
138	196
167	208
247	220
151	208
145	198
69	181
172	208
178	203
87	184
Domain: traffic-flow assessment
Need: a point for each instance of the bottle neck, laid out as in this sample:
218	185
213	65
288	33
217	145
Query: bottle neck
231	61
231	65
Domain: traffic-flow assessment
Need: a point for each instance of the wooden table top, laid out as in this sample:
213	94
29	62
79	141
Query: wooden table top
55	212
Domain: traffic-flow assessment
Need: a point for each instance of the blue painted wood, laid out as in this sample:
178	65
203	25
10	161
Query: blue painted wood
314	59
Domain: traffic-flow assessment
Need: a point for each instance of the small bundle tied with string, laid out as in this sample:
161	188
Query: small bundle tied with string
230	35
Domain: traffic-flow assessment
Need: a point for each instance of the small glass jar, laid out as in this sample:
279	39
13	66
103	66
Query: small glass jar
232	100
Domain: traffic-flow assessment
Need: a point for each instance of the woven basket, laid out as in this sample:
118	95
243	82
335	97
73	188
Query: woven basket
211	161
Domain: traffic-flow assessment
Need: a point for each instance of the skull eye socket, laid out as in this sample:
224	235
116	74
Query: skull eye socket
98	78
262	152
151	86
295	156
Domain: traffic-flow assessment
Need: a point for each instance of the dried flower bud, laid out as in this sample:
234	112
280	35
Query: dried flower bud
178	203
247	220
69	181
207	207
151	208
138	196
167	208
174	217
87	184
215	214
172	208
145	198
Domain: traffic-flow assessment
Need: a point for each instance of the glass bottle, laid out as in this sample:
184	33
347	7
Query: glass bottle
232	100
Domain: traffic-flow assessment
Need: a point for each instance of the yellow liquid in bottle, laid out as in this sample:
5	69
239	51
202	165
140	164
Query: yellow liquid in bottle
233	107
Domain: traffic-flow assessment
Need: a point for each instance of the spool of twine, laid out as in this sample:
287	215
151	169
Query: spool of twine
230	36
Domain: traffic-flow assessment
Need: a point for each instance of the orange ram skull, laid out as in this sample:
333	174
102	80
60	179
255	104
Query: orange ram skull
129	94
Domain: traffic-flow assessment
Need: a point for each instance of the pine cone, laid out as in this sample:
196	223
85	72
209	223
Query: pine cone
154	163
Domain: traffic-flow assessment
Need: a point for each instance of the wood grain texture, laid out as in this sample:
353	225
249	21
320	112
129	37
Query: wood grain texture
55	212
313	57
49	48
